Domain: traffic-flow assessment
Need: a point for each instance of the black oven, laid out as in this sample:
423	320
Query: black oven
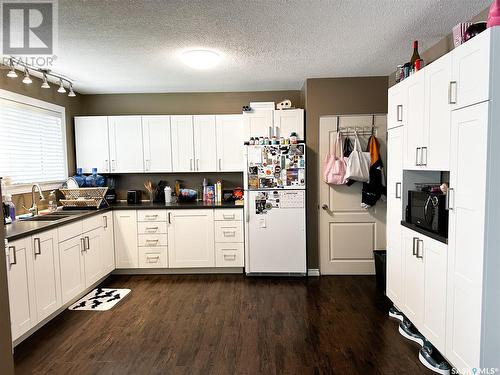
428	211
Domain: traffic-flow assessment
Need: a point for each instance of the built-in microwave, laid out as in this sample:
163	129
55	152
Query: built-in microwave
428	211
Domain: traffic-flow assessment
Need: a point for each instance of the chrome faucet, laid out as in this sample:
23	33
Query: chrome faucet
34	208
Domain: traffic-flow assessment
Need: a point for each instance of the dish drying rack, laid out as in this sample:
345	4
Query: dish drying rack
90	198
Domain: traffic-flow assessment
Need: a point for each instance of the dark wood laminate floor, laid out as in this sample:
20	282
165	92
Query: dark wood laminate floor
227	325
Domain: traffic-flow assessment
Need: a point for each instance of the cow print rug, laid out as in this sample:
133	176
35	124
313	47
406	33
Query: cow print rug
100	299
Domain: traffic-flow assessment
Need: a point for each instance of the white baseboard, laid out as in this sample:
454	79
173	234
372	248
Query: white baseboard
313	272
177	271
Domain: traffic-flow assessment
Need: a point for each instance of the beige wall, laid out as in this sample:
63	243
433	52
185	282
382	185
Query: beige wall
333	96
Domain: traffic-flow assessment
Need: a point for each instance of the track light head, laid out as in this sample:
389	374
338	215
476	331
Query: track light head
71	92
27	79
12	72
61	88
45	84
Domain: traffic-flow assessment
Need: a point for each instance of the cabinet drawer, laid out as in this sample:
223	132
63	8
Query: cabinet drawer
69	231
229	255
152	215
226	214
228	231
151	228
152	240
92	223
153	257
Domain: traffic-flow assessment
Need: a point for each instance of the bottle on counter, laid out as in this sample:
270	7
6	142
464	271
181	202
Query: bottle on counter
252	141
204	190
168	194
415	56
52	201
218	192
79	177
11	206
95	180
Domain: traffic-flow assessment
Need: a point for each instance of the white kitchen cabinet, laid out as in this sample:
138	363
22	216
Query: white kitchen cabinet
415	131
71	258
157	143
471	70
182	143
394	213
21	287
468	178
258	123
205	150
397	105
125	233
94	265
230	140
46	271
413	279
288	121
437	114
92	143
125	145
107	243
435	255
186	250
229	254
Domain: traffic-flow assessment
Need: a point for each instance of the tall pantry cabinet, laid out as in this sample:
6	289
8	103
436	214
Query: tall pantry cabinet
451	291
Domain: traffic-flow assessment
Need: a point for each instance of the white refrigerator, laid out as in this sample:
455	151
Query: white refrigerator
275	210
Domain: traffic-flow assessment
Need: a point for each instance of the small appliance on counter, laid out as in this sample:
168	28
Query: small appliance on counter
427	210
134	196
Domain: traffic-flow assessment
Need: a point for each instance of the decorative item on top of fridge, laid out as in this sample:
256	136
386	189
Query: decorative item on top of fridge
285	104
411	67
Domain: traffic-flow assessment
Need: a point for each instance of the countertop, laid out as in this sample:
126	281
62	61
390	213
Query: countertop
425	232
23	228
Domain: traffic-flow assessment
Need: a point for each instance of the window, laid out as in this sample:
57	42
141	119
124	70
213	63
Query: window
32	141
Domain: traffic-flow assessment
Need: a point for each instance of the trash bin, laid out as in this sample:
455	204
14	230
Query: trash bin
380	257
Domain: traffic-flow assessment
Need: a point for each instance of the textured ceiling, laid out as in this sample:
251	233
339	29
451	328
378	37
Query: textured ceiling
118	46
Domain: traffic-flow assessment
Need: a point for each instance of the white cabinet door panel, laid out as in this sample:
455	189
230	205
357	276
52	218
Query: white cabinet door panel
258	123
71	254
125	140
21	287
157	143
414	126
205	145
182	143
108	244
289	121
413	279
94	268
125	231
397	105
92	143
186	250
230	141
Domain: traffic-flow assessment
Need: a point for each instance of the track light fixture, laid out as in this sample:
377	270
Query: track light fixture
45	84
27	79
44	73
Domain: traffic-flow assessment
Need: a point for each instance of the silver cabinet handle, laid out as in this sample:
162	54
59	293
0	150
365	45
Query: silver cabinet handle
220	164
82	244
422	162
451	190
229	233
399	113
228	217
12	250
169	220
106	165
420	254
398	185
150	217
417	158
38	246
197	164
270	132
415	244
230	256
152	229
105	221
155	242
452	93
87	239
152	259
190	164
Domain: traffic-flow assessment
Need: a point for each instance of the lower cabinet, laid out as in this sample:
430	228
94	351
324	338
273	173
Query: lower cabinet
46	273
71	254
108	243
191	238
94	268
424	285
21	287
125	233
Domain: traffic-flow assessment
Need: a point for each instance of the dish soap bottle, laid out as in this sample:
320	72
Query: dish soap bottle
52	201
12	208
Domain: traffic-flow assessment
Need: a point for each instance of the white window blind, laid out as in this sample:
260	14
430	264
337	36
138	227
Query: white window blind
32	144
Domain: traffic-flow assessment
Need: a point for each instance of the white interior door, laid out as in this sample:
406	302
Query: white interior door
125	134
205	145
230	139
157	143
349	233
92	143
182	143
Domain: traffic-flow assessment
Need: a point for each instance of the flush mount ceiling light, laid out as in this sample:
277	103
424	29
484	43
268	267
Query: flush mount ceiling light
200	58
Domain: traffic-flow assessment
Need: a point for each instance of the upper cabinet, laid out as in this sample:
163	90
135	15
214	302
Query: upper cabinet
258	123
125	146
230	138
397	105
92	143
289	121
205	153
182	143
415	131
157	141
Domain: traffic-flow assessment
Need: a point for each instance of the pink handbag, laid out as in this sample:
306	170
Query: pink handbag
335	166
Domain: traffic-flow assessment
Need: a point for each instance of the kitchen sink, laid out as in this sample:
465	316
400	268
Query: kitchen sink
47	218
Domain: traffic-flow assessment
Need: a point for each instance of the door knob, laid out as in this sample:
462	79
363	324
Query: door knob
325	207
